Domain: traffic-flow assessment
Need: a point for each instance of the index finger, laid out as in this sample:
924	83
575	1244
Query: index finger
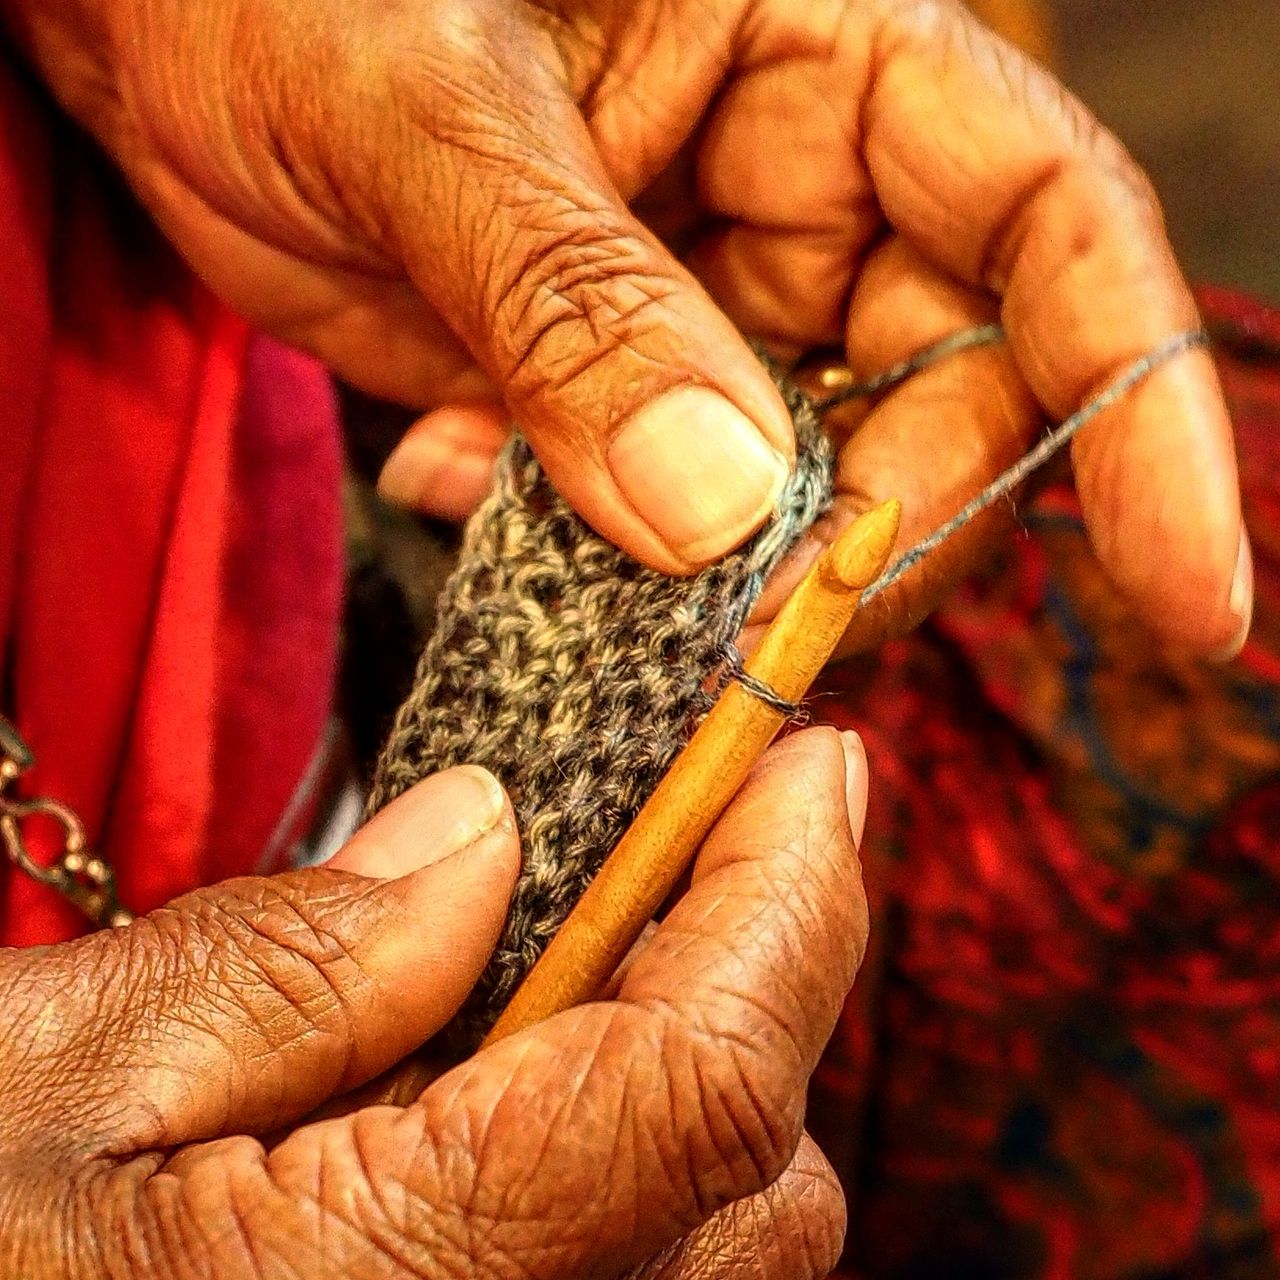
639	1118
998	175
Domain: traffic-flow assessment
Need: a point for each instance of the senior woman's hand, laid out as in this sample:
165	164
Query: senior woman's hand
458	203
660	1129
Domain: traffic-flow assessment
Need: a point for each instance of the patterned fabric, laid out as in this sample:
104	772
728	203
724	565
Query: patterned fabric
1062	1058
575	675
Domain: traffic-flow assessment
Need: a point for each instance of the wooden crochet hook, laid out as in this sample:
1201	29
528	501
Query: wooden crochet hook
641	872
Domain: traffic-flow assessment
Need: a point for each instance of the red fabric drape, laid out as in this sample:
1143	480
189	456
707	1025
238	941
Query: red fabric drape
169	536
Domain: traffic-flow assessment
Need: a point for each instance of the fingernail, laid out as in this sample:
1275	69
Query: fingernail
442	815
855	782
1240	601
698	471
410	469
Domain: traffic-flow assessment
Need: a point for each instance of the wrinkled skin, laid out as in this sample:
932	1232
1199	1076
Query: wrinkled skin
467	205
660	1129
475	208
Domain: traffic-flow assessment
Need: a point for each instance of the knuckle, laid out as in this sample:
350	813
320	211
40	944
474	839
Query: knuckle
584	290
272	959
809	910
737	1122
404	1174
544	267
537	1167
397	1169
264	940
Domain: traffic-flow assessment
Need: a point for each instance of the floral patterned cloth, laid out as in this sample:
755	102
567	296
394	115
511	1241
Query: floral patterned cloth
1062	1058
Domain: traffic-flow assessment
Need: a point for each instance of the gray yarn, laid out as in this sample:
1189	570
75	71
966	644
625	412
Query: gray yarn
575	676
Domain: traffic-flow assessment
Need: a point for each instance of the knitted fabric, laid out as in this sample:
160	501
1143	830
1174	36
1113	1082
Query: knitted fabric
574	675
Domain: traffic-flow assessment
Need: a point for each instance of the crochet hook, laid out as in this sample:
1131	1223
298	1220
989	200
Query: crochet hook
649	860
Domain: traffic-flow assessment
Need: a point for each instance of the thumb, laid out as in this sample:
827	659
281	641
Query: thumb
646	407
242	1007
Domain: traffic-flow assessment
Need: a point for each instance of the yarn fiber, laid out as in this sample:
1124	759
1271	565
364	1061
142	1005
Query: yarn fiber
575	675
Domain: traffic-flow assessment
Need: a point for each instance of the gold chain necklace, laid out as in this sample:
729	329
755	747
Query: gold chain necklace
79	875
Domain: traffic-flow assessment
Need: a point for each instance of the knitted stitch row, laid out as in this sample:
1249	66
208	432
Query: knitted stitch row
575	676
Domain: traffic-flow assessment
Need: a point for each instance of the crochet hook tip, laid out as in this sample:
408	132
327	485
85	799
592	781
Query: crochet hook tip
859	555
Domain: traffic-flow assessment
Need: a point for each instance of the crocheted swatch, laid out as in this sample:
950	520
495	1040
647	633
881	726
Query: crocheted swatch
575	675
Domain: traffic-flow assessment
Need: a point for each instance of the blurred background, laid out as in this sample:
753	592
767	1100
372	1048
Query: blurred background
1193	88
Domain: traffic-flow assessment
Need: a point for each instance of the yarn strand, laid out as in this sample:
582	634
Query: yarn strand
735	669
985	335
1053	442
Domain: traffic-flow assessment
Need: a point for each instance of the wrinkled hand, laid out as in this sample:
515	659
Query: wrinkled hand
139	1069
457	204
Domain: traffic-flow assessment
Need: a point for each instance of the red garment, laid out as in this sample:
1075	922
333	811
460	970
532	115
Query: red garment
1062	1057
170	546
